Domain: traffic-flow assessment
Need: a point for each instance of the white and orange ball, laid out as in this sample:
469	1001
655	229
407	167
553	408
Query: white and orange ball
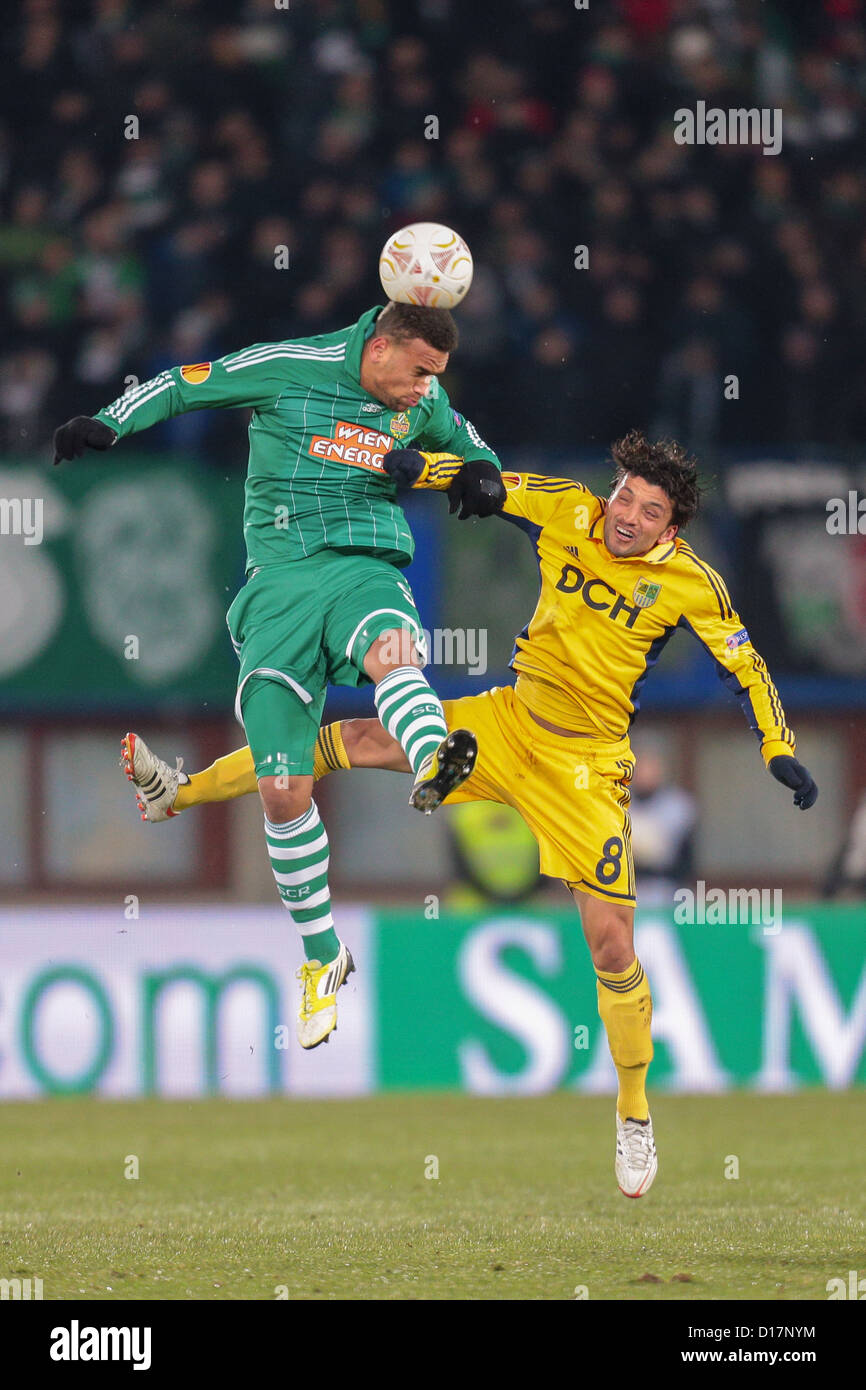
427	264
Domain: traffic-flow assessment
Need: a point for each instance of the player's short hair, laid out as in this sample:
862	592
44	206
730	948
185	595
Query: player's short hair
665	464
402	322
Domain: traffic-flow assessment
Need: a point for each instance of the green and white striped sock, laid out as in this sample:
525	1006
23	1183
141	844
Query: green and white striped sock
411	712
299	858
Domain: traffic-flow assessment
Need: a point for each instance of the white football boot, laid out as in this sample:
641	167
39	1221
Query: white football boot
317	1017
636	1162
154	781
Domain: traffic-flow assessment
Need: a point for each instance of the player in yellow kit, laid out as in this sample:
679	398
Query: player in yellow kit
617	580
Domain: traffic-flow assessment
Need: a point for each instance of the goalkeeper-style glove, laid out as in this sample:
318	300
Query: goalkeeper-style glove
79	434
794	775
478	490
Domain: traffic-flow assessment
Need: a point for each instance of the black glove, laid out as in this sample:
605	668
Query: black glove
79	434
794	775
405	466
478	489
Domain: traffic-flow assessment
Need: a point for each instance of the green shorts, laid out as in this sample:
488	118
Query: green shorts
298	627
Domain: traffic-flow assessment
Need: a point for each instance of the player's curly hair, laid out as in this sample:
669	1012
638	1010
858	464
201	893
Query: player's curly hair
665	464
401	322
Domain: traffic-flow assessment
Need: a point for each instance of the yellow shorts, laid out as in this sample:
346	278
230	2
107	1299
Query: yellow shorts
572	792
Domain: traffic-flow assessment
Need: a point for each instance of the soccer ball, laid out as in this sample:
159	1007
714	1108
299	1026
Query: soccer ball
427	264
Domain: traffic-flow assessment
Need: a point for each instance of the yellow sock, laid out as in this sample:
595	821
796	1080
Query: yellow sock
231	776
330	754
235	774
625	1007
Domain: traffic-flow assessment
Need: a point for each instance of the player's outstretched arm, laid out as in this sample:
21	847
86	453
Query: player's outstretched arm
714	621
473	485
251	378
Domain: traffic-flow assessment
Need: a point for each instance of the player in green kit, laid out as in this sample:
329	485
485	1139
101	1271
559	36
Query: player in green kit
324	599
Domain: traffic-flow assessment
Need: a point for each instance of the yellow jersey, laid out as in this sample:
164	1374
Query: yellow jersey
601	621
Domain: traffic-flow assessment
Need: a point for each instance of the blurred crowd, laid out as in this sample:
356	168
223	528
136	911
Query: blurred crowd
155	156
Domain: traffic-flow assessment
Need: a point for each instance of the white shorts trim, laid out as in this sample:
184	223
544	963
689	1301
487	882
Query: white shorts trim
410	623
276	675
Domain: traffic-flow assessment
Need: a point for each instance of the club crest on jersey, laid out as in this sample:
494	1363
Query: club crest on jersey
400	425
196	373
645	593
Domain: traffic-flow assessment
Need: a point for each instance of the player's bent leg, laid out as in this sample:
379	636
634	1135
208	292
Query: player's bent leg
342	745
229	777
412	713
373	632
367	744
625	1009
284	797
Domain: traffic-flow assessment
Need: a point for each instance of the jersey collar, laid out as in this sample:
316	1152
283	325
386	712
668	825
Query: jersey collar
358	336
656	556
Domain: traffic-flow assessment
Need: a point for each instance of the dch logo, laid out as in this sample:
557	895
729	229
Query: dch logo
574	581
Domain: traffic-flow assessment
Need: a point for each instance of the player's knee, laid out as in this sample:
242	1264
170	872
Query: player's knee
613	954
608	928
356	738
367	744
392	649
612	943
284	798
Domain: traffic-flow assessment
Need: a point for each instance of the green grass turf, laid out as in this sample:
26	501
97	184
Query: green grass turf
330	1199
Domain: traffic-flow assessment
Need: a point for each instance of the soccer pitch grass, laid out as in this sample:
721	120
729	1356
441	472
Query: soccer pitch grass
330	1200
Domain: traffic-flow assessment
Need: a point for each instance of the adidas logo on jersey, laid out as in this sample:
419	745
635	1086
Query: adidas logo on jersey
572	550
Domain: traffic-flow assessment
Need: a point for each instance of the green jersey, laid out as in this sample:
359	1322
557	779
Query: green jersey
317	441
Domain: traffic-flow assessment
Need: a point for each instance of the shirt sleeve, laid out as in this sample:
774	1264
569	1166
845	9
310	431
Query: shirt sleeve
535	498
719	628
529	497
251	378
447	431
